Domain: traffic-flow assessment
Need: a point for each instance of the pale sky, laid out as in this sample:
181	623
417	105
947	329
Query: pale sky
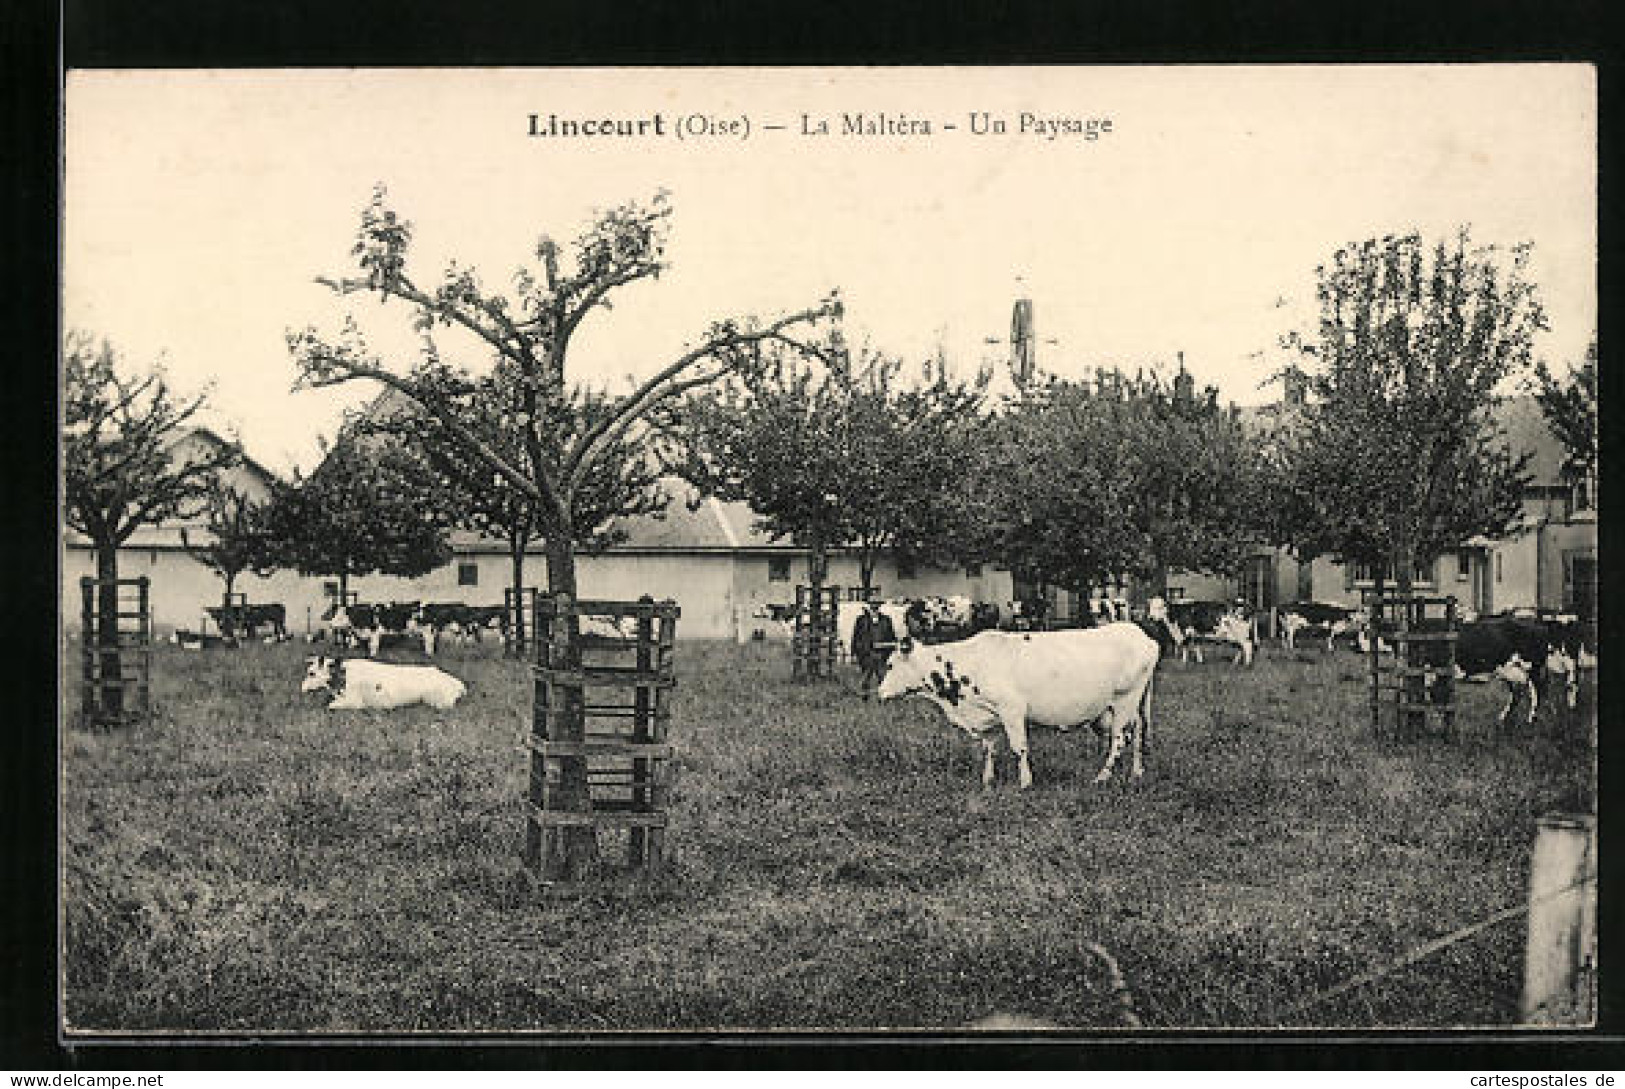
200	205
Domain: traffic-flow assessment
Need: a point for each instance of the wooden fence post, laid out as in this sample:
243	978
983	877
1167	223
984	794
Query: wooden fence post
1561	949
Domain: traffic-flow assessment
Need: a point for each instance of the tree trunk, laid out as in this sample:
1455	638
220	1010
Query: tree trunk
817	565
111	684
574	849
1375	646
866	570
516	553
1084	608
1413	654
227	616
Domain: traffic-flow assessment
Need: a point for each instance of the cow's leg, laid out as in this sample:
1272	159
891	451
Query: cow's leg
1142	727
1534	696
1512	697
1015	732
1114	723
987	761
375	639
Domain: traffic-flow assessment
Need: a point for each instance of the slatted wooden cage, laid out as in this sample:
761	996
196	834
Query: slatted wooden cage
1412	690
518	626
116	667
815	642
622	685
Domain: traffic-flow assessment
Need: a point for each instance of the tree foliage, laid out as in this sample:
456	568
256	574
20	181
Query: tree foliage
1085	483
836	452
240	537
370	507
121	468
1569	405
531	331
1397	457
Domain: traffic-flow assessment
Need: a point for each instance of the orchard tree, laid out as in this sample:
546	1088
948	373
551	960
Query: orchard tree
531	329
1050	492
1198	482
122	468
831	454
1569	406
623	483
370	507
1397	457
239	536
1085	483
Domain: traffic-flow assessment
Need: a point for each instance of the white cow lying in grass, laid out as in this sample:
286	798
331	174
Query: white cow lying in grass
360	683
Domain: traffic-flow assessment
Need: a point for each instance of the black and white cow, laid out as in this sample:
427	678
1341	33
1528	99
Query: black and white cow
350	624
1315	616
244	621
1009	680
1519	651
1192	623
1523	652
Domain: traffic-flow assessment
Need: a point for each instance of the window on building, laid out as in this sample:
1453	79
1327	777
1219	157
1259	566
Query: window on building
1421	575
778	569
330	590
973	570
1497	567
906	569
1464	565
468	574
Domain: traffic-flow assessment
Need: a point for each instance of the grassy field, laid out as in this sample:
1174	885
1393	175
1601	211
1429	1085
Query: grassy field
249	861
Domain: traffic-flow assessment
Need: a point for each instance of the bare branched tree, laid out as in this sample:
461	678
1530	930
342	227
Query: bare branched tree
531	331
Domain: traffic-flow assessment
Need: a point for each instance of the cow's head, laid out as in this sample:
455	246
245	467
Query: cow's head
907	670
322	672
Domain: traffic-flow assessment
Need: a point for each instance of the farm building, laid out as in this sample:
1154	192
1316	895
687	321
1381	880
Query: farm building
705	554
1549	563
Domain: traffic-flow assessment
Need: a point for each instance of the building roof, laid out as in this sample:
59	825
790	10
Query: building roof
691	522
168	535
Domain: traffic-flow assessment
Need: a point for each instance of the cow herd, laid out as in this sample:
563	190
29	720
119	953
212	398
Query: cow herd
1101	675
996	671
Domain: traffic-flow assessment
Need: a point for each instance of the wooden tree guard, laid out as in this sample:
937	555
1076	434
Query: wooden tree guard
517	607
623	745
1418	687
813	645
117	664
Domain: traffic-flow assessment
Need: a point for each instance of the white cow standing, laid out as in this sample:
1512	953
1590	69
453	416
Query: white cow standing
1009	679
360	684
